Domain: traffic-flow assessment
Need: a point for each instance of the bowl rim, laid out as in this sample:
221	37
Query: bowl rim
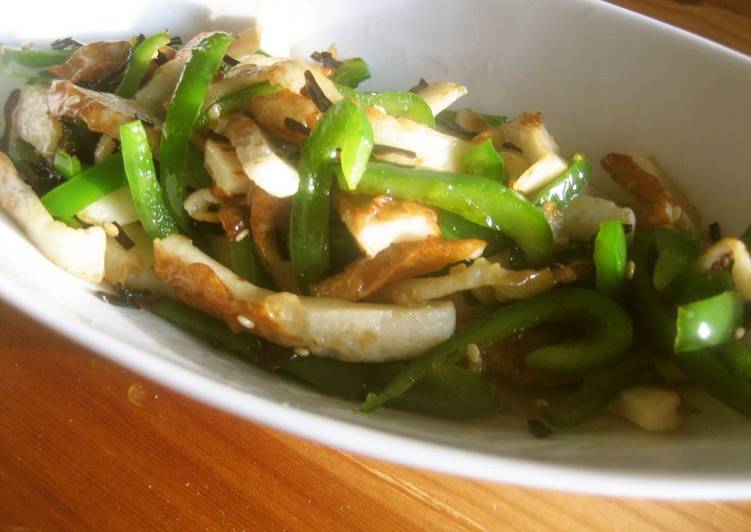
374	443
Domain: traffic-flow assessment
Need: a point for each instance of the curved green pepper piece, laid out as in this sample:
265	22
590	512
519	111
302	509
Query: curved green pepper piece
483	160
594	393
245	263
235	100
454	227
139	62
65	164
147	194
33	57
343	126
704	368
477	199
396	103
677	252
567	186
68	199
351	72
182	116
691	286
737	358
708	322
610	258
610	337
206	327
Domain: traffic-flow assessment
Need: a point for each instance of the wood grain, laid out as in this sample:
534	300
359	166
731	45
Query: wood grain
88	445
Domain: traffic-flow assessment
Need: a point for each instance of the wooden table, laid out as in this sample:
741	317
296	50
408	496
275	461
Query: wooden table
85	444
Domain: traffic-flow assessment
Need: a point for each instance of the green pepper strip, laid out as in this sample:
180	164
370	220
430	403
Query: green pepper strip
68	199
448	117
454	227
691	286
213	330
704	368
139	62
244	262
182	116
677	253
236	100
483	160
34	58
344	125
609	338
396	103
610	257
197	176
708	322
147	194
477	199
660	329
351	73
449	392
567	186
65	164
594	393
737	358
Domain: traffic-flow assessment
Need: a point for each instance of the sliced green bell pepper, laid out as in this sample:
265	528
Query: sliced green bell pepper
610	335
182	115
204	326
708	371
677	252
68	199
610	257
148	196
691	286
479	200
737	358
65	164
235	100
139	62
454	227
245	263
343	126
483	160
567	186
708	322
352	72
405	104
594	393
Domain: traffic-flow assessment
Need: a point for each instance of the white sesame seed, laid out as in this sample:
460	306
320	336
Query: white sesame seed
630	269
245	322
111	229
214	112
242	234
473	354
301	351
739	333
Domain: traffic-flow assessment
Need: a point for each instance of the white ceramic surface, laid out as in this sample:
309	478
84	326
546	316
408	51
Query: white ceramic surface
606	80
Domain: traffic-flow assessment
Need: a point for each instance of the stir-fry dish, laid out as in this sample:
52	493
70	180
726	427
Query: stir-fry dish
377	246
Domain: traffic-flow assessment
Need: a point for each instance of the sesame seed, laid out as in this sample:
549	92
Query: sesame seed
215	112
242	234
739	333
630	269
301	351
245	322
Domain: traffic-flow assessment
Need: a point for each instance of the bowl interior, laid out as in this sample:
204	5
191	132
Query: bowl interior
605	79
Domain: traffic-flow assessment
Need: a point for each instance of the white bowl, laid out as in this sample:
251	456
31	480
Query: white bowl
606	80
